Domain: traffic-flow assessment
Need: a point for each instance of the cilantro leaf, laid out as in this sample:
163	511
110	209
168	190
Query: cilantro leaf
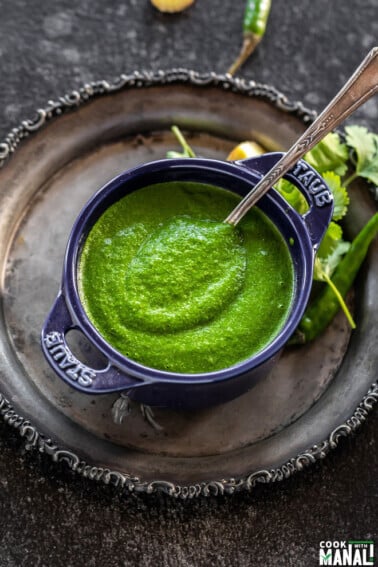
171	154
329	155
330	252
331	239
340	195
365	145
329	263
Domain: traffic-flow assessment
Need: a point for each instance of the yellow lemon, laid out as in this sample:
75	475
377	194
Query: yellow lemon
245	150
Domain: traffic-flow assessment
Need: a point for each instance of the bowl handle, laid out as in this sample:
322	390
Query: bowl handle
310	184
68	366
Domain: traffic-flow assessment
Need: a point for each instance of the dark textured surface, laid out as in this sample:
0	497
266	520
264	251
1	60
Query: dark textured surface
48	516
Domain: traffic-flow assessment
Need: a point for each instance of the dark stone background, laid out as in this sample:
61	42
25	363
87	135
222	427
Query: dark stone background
50	517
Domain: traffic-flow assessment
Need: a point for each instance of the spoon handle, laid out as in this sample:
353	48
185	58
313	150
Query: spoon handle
362	85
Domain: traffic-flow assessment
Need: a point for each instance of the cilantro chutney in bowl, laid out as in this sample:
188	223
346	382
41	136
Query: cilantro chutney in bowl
188	311
171	286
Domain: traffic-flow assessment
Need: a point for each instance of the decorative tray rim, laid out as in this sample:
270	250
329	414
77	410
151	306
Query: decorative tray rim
36	439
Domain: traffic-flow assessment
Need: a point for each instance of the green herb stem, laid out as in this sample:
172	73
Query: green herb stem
350	179
184	144
340	299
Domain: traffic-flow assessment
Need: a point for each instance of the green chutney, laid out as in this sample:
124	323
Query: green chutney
171	286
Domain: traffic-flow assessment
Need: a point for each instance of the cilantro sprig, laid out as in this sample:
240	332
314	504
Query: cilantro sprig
333	158
187	151
364	145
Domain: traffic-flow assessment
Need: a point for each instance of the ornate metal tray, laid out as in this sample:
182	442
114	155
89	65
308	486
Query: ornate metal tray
315	394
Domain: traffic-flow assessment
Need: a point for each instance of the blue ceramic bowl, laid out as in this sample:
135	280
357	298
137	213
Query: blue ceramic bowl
160	388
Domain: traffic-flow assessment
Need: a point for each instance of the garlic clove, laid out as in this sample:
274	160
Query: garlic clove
172	6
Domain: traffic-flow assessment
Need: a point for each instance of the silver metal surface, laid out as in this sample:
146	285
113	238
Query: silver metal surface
315	394
362	85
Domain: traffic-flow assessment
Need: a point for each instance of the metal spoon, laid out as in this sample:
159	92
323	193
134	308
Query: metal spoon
362	85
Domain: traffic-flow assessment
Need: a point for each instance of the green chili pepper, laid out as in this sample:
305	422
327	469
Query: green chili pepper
254	25
322	310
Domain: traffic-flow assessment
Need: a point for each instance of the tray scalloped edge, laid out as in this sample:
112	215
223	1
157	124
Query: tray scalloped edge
36	439
142	79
